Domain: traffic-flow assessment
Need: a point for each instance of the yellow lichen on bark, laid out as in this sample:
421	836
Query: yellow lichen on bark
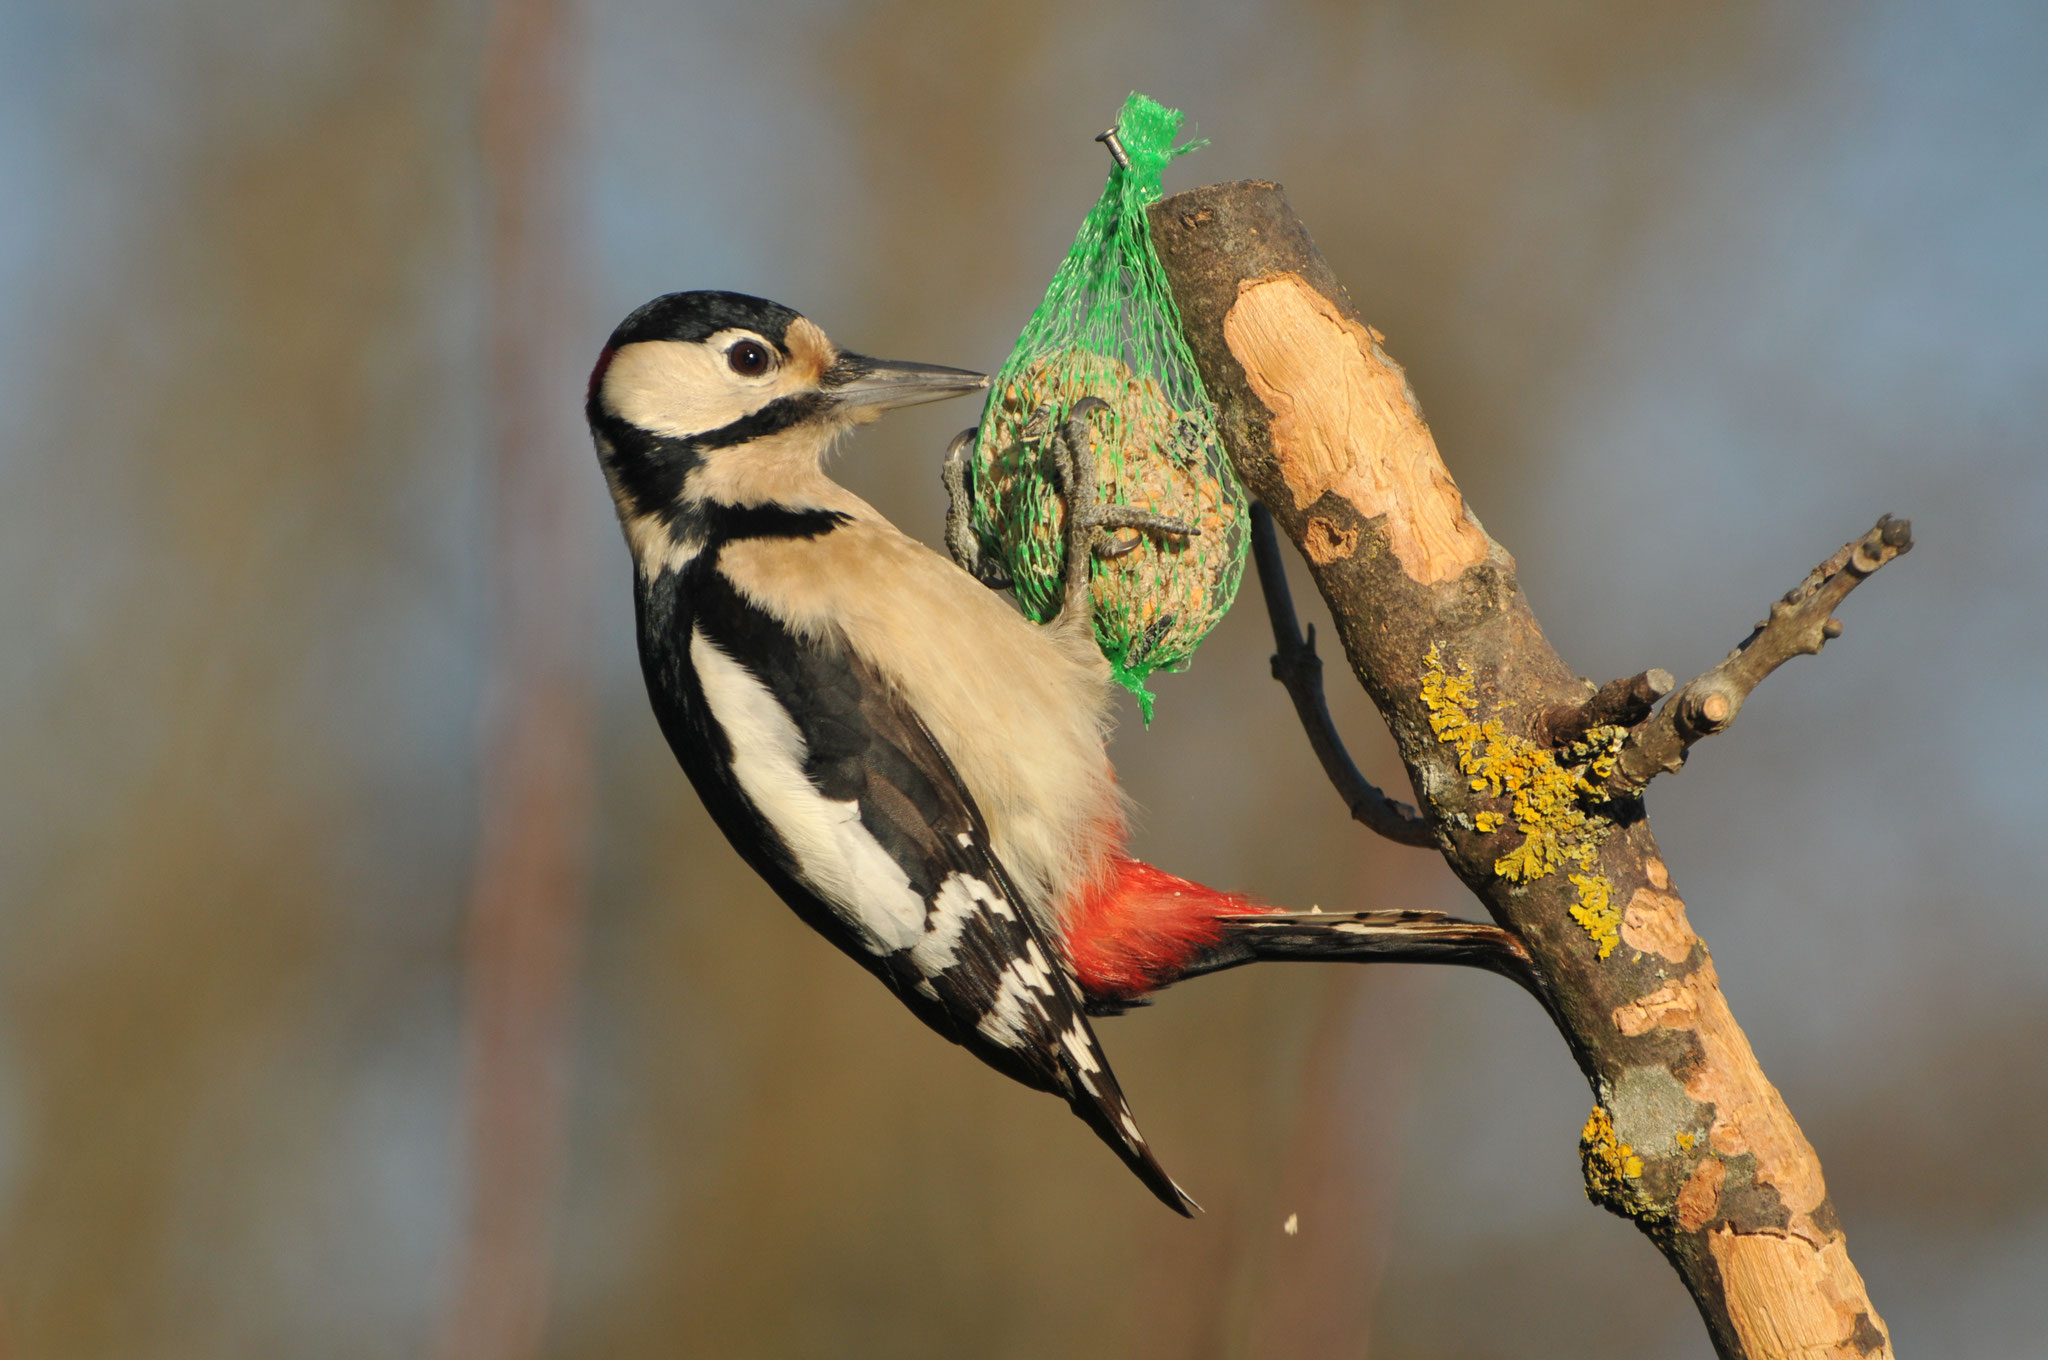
1595	911
1612	1167
1545	795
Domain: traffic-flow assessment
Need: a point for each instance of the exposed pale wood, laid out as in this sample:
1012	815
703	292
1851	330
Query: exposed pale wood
1745	1114
1700	1196
1344	421
1654	923
1700	1150
1792	1302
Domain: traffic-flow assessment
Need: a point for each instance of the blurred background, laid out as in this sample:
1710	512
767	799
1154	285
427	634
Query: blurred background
371	983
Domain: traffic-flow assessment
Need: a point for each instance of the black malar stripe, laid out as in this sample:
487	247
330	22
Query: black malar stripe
728	523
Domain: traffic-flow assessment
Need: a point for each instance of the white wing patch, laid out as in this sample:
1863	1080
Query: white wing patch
1077	1045
1004	1022
836	856
1022	985
959	898
1033	970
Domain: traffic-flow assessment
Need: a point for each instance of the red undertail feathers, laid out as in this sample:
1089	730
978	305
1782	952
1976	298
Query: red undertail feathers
1138	928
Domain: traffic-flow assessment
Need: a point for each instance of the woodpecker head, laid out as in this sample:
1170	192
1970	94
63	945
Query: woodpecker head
721	397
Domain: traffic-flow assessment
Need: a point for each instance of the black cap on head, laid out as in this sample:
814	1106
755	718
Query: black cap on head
699	316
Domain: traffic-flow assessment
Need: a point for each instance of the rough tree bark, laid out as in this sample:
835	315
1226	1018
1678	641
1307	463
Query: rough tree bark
1530	779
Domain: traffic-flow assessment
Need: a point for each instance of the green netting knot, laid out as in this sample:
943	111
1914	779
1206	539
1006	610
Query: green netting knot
1108	328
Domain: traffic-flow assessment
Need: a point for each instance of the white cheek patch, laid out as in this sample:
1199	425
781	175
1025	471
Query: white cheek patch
677	388
836	856
681	388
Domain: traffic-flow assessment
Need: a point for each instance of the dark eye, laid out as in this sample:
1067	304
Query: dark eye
748	359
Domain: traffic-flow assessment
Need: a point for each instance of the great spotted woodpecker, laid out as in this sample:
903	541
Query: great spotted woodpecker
913	767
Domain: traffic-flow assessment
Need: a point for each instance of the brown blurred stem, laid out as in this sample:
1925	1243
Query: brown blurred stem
1688	1138
1297	667
526	901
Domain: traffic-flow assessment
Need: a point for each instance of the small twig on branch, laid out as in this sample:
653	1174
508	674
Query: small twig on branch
1799	624
1297	667
1618	703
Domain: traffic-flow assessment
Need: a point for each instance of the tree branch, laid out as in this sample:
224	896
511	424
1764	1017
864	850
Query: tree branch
1799	624
1688	1138
1297	667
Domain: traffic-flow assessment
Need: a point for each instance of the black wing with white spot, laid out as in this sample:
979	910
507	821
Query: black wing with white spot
874	839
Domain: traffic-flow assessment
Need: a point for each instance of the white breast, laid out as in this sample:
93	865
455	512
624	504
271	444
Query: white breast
836	856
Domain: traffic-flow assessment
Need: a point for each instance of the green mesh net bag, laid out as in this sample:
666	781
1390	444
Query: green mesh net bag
1108	328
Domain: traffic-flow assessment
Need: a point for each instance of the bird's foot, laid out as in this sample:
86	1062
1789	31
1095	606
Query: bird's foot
1090	522
957	473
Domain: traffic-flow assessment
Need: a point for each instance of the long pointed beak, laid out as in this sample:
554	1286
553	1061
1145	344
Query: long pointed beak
868	387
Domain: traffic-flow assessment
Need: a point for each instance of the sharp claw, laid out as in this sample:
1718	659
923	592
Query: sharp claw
1079	445
957	474
1037	425
1109	549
